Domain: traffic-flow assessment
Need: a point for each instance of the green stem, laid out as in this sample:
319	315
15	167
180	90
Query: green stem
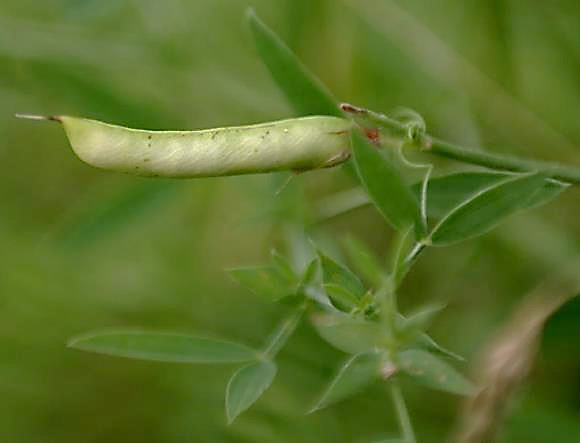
402	413
499	161
283	332
409	260
468	155
387	298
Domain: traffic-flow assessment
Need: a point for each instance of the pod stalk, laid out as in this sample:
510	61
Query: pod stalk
55	118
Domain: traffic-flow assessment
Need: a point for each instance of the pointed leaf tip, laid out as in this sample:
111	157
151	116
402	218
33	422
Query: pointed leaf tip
486	209
304	91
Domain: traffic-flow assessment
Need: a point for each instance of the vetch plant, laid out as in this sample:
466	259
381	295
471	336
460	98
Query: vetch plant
354	308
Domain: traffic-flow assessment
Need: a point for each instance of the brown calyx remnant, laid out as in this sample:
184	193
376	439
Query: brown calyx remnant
373	135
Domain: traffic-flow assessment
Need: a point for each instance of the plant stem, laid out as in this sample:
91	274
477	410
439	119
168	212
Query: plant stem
283	332
467	155
414	254
402	413
500	161
387	299
409	260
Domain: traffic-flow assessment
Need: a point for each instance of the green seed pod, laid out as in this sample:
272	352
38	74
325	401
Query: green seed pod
295	144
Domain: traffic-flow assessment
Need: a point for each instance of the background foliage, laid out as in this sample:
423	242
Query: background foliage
84	249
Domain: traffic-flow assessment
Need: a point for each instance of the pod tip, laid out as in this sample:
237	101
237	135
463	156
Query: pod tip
55	118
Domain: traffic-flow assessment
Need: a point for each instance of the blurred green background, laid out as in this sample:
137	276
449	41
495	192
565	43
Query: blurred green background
83	249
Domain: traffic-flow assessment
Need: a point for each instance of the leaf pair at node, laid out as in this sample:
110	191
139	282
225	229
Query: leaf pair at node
366	368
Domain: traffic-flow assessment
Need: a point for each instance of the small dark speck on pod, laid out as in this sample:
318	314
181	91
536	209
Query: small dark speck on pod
145	160
149	137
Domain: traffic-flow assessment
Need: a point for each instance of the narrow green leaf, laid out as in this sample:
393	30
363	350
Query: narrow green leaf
163	347
487	208
358	372
311	284
341	297
337	274
382	181
283	266
427	342
447	192
268	281
414	325
306	94
426	369
247	385
349	334
365	262
311	275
